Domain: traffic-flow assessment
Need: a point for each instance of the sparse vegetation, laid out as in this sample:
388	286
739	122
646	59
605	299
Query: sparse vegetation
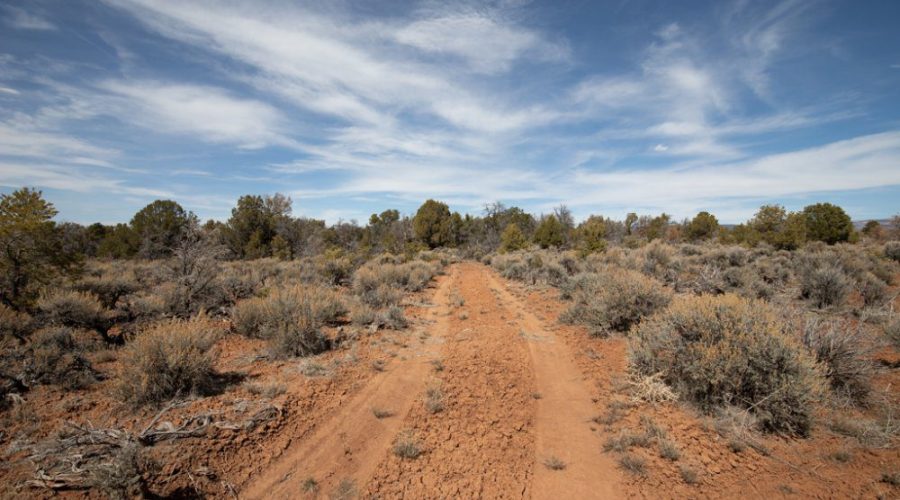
554	463
633	464
615	300
750	324
407	446
169	359
720	350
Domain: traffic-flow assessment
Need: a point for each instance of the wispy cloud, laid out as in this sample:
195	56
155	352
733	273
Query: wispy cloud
208	112
22	19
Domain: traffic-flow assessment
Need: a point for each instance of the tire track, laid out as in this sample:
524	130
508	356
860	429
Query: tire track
564	412
351	444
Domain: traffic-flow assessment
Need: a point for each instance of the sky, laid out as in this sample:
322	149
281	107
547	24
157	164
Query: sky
354	107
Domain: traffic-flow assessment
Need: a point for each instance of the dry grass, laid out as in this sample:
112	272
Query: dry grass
554	463
407	446
633	464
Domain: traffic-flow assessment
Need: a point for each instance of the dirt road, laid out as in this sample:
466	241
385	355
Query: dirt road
485	391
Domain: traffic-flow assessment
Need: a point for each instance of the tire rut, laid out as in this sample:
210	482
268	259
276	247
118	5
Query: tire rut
564	411
351	444
480	445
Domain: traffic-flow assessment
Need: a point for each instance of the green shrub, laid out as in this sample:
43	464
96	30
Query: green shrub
615	300
72	308
169	359
512	239
721	350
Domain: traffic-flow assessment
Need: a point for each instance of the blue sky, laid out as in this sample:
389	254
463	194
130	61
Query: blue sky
355	107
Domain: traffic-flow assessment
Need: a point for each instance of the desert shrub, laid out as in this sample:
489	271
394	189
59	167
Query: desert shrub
774	271
615	300
892	250
240	283
109	288
872	290
14	323
393	318
362	315
842	350
290	318
57	358
824	286
72	308
892	332
146	305
171	358
249	316
721	350
380	284
659	262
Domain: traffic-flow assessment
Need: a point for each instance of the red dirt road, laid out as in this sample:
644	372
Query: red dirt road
512	398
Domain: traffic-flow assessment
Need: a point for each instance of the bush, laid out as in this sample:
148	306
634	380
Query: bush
108	288
841	349
249	316
71	308
873	291
824	286
171	358
512	239
56	358
892	332
290	318
725	350
615	300
13	323
393	318
381	284
892	250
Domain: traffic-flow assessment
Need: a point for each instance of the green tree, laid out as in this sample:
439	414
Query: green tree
550	232
873	229
432	224
630	220
158	227
592	236
120	242
31	247
254	223
828	223
774	225
512	239
703	226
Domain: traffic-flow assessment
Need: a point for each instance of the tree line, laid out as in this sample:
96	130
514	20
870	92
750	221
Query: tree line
36	249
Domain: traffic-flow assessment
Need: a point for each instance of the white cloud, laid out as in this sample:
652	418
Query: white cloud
8	90
16	140
858	163
21	19
207	112
486	45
